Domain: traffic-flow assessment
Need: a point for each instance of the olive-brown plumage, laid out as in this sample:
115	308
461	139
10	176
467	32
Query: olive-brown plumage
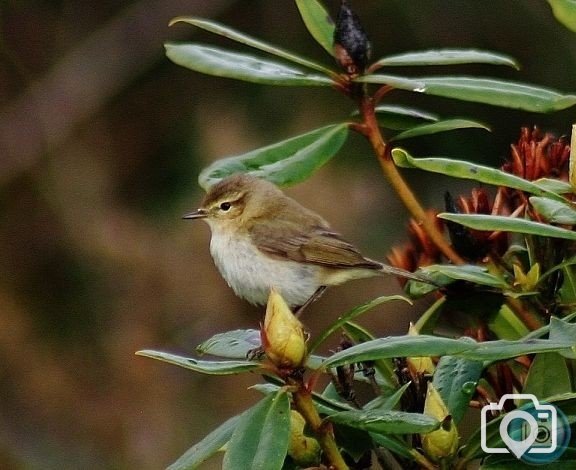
262	238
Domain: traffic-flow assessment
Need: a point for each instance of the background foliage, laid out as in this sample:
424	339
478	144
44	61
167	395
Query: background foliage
101	141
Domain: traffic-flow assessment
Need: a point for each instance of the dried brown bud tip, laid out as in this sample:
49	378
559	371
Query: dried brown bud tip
351	44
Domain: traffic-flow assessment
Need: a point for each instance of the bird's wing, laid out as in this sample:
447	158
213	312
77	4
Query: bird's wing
315	244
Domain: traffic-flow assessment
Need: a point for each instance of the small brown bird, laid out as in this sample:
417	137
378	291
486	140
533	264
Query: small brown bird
262	238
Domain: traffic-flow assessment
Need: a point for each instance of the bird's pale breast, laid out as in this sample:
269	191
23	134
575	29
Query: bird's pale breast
251	273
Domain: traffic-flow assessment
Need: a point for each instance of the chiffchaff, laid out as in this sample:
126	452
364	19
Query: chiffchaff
261	239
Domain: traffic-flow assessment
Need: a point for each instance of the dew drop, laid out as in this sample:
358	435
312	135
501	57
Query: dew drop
468	387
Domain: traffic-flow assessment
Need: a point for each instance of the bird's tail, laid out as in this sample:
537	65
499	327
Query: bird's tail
387	269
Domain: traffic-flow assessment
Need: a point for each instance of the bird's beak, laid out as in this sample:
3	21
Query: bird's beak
197	214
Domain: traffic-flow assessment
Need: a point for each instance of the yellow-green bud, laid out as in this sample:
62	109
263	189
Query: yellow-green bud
304	450
283	336
419	365
441	444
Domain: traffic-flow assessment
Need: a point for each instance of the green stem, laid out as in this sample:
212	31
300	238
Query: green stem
372	132
422	461
322	430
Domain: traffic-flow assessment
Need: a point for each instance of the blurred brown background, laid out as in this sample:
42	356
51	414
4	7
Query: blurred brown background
101	141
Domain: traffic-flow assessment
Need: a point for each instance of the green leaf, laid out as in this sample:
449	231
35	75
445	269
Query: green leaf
426	345
386	422
562	330
455	379
506	324
556	212
351	315
508	224
237	36
400	346
440	126
386	376
204	367
465	272
548	375
283	163
394	444
401	117
387	403
553	185
502	349
427	321
481	90
318	23
232	344
260	440
222	63
565	12
471	171
207	447
446	57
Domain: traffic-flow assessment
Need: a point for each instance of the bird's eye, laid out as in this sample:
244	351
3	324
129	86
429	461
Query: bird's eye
225	206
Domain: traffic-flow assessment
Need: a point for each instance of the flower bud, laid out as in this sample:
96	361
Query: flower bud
351	44
283	337
527	281
304	450
419	365
443	443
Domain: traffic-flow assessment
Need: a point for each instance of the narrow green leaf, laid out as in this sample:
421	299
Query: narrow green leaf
237	36
401	117
471	171
394	443
387	403
568	289
283	163
406	111
501	350
351	315
211	60
481	90
466	272
401	346
455	379
386	375
207	447
318	23
440	126
508	224
427	321
260	440
204	367
386	422
562	330
426	345
231	344
548	375
553	185
556	212
565	12
446	57
506	324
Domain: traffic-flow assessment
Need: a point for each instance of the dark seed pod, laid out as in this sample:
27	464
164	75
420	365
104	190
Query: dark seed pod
351	44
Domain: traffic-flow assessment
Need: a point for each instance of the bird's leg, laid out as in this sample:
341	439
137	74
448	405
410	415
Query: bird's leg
313	298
